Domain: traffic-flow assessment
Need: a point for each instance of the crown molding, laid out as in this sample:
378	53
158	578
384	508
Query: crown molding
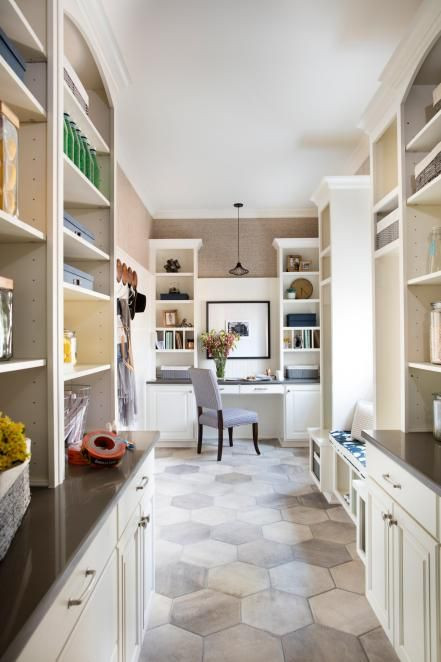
94	17
401	68
229	212
320	197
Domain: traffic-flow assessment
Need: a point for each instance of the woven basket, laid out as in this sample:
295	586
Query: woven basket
386	236
430	172
15	496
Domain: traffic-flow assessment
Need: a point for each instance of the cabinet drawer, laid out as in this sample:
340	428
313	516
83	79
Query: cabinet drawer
414	497
56	626
257	389
141	483
234	389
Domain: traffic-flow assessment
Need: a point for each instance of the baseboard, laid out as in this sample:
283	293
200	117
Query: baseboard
294	443
176	443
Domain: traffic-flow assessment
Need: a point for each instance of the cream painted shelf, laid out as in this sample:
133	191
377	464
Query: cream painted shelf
76	293
21	364
427	279
173	302
18	28
430	367
428	137
174	351
84	370
430	194
78	190
388	203
77	248
15	93
300	274
84	122
164	274
299	302
302	349
309	328
13	230
389	248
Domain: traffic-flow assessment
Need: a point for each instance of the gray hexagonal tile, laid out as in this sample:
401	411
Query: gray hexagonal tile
214	515
242	643
254	488
301	578
321	552
304	515
167	552
378	647
162	452
344	611
334	532
205	612
209	553
238	579
297	487
276	611
316	643
192	501
349	576
339	514
170	643
288	469
286	532
236	533
233	478
260	516
185	533
179	579
315	500
237	501
264	553
182	469
170	487
171	515
277	501
159	611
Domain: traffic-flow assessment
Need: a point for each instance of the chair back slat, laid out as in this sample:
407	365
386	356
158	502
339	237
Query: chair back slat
205	387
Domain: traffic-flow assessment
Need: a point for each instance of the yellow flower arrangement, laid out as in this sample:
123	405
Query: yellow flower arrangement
13	448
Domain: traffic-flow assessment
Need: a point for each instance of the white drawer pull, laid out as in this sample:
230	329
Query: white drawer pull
389	480
143	483
260	388
75	602
144	521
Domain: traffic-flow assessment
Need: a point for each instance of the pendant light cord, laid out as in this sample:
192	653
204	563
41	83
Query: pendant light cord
238	240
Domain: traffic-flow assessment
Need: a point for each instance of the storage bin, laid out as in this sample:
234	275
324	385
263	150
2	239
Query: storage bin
387	236
173	373
12	55
302	372
6	296
72	224
9	125
75	276
301	319
176	296
428	168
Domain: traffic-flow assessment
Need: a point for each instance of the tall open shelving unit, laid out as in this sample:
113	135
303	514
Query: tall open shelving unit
34	245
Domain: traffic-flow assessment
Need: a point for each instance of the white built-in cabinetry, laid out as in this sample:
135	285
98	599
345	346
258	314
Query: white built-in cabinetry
302	407
171	408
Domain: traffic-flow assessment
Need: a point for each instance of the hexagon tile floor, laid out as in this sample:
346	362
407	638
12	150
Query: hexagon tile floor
253	565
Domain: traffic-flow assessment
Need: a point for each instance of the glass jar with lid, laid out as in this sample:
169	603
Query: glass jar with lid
435	250
435	333
70	349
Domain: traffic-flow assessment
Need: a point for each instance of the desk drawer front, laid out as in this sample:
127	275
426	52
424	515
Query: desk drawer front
226	390
262	389
417	499
140	484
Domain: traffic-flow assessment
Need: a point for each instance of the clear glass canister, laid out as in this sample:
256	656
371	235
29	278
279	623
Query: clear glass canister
9	126
6	296
70	348
435	250
435	333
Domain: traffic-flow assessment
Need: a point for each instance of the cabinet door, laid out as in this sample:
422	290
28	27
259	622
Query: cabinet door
171	410
302	411
147	558
95	636
416	601
130	589
378	556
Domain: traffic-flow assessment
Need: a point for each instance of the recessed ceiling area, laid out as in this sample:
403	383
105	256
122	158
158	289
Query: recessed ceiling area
251	100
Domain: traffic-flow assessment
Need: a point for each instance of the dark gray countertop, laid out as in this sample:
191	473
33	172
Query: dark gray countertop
58	526
418	452
236	382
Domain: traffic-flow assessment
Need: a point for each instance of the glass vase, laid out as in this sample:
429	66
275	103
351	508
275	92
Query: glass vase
220	364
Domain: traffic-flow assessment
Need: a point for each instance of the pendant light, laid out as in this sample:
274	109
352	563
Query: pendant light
238	270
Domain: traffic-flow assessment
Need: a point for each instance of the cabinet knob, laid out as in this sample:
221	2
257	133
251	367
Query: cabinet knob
75	602
392	522
144	521
143	483
386	516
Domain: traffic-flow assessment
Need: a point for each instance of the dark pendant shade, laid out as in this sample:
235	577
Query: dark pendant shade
238	270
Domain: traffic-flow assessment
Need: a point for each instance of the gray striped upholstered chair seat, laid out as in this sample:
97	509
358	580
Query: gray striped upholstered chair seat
232	417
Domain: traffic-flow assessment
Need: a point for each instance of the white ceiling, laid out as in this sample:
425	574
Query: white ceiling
251	100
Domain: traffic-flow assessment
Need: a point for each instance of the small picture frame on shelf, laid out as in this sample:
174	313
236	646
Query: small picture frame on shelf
293	262
189	344
305	265
159	344
170	317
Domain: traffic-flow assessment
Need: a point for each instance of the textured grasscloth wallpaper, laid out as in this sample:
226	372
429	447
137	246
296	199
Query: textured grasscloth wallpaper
219	250
134	223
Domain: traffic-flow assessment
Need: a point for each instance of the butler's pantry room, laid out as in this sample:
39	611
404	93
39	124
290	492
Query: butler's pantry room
220	331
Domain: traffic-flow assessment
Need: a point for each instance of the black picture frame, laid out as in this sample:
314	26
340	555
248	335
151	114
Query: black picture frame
267	354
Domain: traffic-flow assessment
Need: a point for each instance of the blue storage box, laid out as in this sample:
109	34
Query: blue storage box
301	319
176	296
72	224
12	55
74	276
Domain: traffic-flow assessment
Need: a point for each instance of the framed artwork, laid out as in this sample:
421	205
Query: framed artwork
170	317
249	319
305	265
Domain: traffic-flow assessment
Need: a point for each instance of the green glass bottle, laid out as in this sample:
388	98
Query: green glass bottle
65	132
75	144
69	149
88	161
96	169
82	161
